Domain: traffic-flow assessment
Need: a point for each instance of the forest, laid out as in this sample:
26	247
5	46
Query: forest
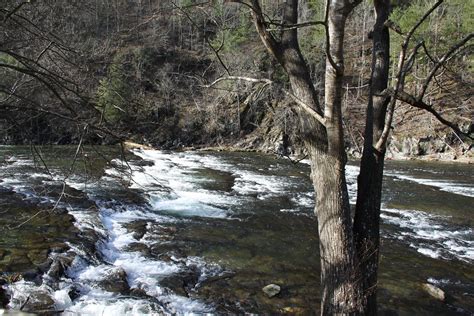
237	156
144	68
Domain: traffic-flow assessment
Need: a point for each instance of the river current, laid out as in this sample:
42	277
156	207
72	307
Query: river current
158	232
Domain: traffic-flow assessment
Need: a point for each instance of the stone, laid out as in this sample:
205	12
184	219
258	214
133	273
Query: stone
140	293
271	290
60	264
115	281
175	284
435	291
139	247
39	302
139	228
182	282
33	275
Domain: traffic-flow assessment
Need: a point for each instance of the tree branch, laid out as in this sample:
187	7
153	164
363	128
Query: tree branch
400	78
249	79
440	63
415	102
216	52
328	45
272	45
308	109
286	27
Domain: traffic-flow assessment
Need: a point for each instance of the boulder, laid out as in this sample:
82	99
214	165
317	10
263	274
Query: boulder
271	290
181	283
39	302
115	281
139	228
139	293
435	291
60	264
175	283
139	247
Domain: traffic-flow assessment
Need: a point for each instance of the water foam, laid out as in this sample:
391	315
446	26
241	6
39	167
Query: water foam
430	235
465	189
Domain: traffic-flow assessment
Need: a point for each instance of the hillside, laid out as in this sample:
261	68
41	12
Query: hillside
142	71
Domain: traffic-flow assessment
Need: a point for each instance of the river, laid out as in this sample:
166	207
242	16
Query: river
158	232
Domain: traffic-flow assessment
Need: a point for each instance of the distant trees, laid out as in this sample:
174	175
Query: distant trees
113	93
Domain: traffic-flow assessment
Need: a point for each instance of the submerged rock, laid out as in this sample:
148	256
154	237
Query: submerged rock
115	281
434	291
138	228
181	283
271	290
60	264
39	302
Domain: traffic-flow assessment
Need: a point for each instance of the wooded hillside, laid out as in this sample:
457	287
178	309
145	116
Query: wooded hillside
101	70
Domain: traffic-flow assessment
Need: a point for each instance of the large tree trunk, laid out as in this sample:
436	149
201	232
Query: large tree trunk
341	290
340	277
367	215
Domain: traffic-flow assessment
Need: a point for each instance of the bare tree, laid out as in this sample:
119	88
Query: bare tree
349	247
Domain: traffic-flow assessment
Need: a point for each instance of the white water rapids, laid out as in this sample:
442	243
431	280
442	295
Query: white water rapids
175	190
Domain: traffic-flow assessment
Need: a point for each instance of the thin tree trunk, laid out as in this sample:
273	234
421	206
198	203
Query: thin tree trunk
367	215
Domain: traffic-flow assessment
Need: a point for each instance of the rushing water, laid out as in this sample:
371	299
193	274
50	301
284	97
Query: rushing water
190	232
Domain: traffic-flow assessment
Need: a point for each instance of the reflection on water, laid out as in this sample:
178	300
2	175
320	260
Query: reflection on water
170	232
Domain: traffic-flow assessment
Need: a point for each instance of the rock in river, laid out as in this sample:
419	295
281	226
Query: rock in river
271	290
434	291
39	302
115	281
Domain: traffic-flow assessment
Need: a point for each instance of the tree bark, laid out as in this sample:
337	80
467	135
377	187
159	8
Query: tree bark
340	277
367	214
342	291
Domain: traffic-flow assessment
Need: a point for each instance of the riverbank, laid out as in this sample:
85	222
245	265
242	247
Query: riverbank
454	156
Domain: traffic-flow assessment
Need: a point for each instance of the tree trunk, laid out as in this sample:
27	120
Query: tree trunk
367	215
342	291
340	277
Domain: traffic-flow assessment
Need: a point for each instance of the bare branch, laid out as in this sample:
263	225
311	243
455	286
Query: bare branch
422	19
308	109
272	45
400	78
249	79
393	26
328	45
441	61
285	27
216	51
415	102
